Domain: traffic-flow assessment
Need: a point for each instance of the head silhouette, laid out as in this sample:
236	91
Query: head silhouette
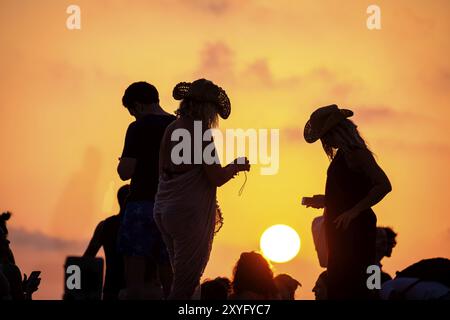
122	196
321	289
344	135
6	254
139	98
5	216
253	273
385	242
286	286
335	130
202	100
217	289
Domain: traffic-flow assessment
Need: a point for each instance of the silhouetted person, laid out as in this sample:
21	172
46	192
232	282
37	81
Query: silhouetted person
253	279
354	184
186	209
320	240
385	243
16	288
321	287
4	286
428	279
286	286
105	235
217	289
139	238
434	269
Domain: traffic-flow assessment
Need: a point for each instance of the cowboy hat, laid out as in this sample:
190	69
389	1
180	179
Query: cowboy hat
322	120
204	90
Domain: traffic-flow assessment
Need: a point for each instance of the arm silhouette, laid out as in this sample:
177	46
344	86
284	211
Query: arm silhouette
95	243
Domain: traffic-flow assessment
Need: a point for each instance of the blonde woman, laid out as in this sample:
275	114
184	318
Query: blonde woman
186	210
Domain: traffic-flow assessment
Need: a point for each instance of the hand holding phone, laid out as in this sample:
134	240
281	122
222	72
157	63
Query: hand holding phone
34	275
31	283
242	164
317	201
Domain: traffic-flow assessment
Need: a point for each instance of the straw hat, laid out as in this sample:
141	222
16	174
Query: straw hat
322	120
204	90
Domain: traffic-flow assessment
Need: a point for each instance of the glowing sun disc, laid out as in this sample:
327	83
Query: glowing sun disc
280	243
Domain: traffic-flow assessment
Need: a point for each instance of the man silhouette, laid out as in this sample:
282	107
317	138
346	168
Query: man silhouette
105	235
139	238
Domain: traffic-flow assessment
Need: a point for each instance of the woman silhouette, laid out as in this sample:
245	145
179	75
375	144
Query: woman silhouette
354	184
186	210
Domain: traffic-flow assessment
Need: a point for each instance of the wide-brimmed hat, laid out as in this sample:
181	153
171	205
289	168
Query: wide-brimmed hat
322	120
204	90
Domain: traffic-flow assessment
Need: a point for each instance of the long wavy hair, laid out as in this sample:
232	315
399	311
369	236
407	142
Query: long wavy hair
207	112
347	132
253	273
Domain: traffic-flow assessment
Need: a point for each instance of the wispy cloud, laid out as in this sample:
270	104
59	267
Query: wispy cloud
383	114
216	7
217	62
20	237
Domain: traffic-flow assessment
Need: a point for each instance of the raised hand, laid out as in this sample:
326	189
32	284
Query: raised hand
242	164
317	201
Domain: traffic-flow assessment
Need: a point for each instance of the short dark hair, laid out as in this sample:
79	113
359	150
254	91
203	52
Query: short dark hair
141	92
217	289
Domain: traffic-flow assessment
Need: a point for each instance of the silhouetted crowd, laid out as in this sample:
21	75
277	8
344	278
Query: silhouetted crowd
12	285
159	244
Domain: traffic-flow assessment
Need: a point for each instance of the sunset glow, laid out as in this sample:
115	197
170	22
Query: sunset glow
280	243
62	125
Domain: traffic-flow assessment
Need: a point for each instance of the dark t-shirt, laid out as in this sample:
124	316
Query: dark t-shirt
142	143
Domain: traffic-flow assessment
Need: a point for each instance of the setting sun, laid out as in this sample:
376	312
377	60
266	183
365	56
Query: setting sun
280	243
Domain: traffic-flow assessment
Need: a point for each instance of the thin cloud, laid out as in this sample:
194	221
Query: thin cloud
260	75
379	114
217	62
216	7
407	147
20	237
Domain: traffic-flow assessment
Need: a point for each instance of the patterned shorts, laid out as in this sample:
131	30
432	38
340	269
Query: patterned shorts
139	235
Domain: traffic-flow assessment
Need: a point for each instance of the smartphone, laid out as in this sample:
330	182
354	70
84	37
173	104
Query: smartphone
241	160
306	201
34	274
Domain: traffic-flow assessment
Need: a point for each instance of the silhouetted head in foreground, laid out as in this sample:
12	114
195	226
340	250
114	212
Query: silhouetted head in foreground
139	98
332	126
321	288
217	289
122	195
386	242
5	216
5	251
202	100
253	277
286	286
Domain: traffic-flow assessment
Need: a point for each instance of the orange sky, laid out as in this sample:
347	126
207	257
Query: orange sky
62	123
